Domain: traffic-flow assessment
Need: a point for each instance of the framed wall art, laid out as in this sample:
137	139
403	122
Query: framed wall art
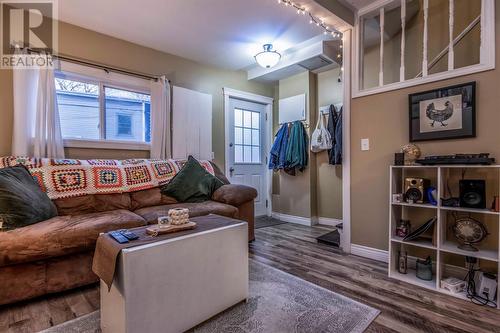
446	113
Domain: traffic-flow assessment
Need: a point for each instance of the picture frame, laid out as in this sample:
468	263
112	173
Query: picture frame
443	114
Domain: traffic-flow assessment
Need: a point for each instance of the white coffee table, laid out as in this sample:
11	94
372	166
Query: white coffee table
176	284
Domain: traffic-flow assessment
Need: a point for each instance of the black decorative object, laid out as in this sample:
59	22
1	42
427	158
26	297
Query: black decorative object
469	231
424	269
403	262
446	113
421	230
472	193
399	159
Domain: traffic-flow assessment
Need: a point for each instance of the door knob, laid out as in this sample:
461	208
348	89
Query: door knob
231	169
231	144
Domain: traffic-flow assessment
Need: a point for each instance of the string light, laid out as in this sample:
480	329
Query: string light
312	19
319	23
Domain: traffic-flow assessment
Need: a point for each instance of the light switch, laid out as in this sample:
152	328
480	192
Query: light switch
365	144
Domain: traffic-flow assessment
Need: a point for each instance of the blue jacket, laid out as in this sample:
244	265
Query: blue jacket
277	159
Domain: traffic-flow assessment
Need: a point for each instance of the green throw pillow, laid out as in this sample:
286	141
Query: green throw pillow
192	184
22	201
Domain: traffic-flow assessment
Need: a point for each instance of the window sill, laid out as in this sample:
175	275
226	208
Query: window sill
106	144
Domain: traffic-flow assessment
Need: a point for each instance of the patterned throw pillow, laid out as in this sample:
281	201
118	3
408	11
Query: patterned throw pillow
192	183
22	201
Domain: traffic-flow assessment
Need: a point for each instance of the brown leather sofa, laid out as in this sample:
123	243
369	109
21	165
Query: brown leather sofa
56	254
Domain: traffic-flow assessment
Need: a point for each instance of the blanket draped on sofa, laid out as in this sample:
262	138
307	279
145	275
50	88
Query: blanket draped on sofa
64	178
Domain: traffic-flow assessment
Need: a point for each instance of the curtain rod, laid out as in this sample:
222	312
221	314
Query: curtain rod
105	68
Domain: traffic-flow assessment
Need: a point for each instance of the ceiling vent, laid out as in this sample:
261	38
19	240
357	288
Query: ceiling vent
314	57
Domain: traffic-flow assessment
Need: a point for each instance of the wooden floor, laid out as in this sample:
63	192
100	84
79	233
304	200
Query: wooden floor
292	248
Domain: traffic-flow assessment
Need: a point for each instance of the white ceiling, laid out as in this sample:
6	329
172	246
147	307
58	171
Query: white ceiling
224	33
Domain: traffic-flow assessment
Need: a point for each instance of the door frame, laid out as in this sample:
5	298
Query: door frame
347	57
268	135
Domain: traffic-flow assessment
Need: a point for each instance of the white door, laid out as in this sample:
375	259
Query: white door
247	162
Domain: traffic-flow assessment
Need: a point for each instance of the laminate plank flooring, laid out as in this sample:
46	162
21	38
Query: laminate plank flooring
293	248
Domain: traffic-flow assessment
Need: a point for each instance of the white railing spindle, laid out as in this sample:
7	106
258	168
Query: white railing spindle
381	68
402	69
451	51
426	32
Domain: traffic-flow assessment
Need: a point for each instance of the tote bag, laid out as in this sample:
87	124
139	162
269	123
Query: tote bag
320	139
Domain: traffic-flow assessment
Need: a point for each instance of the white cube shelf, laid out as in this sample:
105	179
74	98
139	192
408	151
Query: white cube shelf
442	245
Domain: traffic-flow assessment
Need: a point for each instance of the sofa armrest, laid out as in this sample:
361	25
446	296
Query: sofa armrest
234	195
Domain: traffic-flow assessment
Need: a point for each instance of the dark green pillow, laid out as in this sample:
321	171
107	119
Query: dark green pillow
192	184
22	201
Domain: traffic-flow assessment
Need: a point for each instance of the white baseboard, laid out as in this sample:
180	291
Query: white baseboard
370	252
308	221
328	221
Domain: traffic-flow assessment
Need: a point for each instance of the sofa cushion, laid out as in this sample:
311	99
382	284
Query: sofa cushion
151	214
234	194
22	201
62	235
148	198
192	184
93	203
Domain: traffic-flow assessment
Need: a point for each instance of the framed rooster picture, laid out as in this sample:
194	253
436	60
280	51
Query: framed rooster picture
446	113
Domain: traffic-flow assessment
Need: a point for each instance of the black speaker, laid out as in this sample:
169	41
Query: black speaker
473	193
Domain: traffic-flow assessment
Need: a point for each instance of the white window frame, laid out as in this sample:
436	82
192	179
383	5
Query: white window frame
487	53
77	72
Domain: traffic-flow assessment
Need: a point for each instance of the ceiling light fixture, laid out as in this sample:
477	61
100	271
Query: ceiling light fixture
268	58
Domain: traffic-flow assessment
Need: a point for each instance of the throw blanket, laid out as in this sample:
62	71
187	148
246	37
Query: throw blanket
64	178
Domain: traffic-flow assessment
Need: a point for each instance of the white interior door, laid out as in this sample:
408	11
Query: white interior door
247	164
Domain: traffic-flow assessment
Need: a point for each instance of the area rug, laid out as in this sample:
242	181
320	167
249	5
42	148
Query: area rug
266	221
278	303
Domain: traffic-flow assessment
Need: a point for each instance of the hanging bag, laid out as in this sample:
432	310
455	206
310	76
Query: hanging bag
320	139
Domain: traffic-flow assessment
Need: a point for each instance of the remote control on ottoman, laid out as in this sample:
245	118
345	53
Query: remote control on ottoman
118	237
129	234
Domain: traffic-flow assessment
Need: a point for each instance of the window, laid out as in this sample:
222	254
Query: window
93	110
401	43
247	137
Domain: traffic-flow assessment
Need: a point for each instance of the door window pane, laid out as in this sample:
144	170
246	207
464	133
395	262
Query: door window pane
127	115
255	154
247	154
255	120
238	117
238	154
78	104
255	137
247	119
238	135
247	136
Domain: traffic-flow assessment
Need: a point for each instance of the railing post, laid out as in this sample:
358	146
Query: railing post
381	68
451	51
403	41
426	32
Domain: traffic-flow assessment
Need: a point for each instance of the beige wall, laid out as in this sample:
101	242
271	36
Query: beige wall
93	46
384	119
296	195
317	191
329	186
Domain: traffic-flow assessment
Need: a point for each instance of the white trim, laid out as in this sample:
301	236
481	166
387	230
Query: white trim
425	61
307	221
487	53
106	144
345	240
370	252
329	221
474	69
247	96
268	101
